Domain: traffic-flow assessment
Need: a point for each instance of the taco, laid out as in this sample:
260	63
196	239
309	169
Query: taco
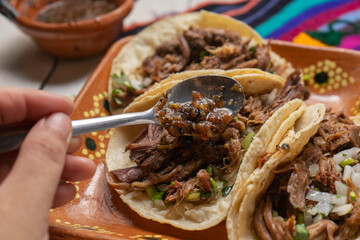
311	193
184	180
192	41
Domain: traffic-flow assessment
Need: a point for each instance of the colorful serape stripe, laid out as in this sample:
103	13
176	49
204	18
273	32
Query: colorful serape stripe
306	22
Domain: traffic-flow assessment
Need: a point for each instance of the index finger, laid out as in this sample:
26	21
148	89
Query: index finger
21	104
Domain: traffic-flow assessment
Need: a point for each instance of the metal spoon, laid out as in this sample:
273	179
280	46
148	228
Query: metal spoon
208	86
8	10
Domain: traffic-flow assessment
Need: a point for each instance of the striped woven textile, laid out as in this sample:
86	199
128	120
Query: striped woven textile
315	22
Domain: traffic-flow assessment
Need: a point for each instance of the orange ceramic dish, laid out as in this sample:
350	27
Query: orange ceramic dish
71	40
97	211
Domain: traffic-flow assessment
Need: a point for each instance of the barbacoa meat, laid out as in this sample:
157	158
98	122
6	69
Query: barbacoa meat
269	227
323	229
176	153
198	48
257	109
163	155
338	132
297	185
286	194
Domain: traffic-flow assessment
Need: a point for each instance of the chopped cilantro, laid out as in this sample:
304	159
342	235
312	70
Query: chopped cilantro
301	232
117	101
122	80
226	190
155	193
209	169
352	195
274	213
204	53
214	186
347	162
253	49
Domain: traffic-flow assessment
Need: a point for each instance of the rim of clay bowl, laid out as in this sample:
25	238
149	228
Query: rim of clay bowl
119	13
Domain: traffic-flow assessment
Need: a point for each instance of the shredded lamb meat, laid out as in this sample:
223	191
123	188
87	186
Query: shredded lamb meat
297	185
198	48
164	155
286	195
323	229
339	133
256	110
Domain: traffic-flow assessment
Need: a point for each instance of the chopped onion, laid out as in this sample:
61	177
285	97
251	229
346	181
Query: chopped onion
320	207
271	96
342	210
312	211
338	168
220	184
318	218
356	179
349	153
159	204
339	200
313	169
356	167
308	220
319	196
323	207
341	188
348	171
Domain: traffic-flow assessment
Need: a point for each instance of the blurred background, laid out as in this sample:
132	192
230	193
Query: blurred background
317	22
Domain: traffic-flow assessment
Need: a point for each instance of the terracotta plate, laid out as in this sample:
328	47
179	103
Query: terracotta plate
98	213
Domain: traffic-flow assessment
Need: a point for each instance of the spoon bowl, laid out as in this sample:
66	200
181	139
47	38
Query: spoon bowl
210	86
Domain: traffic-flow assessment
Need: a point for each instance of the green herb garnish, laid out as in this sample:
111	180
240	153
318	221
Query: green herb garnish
117	101
195	196
214	187
253	49
122	80
209	169
347	162
274	213
226	190
204	53
154	193
247	140
352	195
301	232
300	218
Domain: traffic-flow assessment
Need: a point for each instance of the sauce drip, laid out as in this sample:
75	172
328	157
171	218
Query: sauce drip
67	11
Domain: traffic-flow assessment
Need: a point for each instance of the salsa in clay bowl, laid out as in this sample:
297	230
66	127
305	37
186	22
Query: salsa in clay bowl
71	28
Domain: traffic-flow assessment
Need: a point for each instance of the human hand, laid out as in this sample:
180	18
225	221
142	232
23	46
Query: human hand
29	177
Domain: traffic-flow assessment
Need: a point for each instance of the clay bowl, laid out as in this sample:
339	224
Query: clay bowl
71	40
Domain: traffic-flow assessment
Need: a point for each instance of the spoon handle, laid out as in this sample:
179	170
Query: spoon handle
96	124
11	137
7	10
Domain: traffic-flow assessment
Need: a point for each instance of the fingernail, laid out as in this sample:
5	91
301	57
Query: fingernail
59	121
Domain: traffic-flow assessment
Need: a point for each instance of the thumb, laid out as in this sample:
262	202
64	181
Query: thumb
37	170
